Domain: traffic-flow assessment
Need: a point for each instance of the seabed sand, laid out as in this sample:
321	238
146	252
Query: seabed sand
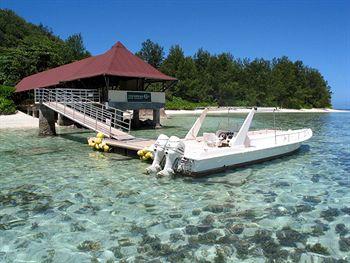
19	120
233	110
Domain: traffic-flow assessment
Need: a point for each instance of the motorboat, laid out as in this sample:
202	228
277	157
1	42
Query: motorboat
199	155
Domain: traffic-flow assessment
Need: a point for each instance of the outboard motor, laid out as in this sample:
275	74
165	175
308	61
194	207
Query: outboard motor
158	153
174	150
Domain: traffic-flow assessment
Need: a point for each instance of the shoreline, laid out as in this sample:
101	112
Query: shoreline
20	120
233	110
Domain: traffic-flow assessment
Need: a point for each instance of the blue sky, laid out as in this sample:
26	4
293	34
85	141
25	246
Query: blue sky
316	32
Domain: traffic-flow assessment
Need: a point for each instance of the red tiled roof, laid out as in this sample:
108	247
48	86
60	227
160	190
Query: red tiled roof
118	61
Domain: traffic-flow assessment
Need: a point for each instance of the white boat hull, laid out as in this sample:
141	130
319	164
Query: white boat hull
263	146
217	151
215	164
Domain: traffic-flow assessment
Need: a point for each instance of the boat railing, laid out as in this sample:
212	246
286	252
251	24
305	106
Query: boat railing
287	136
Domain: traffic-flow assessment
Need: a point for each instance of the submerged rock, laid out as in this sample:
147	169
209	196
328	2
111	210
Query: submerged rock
319	228
208	220
49	257
153	242
318	249
282	184
215	208
76	226
65	205
180	254
312	199
315	178
277	211
116	250
174	237
88	209
204	228
246	214
235	228
34	225
344	244
152	246
125	242
8	222
346	210
209	237
196	211
138	229
261	236
191	230
303	208
89	245
221	254
289	237
341	229
175	215
242	248
330	213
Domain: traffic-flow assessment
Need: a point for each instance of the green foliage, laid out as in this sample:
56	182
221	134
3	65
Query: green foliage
26	48
234	82
152	53
76	48
7	105
176	103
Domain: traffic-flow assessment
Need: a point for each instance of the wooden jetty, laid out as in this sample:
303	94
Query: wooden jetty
128	146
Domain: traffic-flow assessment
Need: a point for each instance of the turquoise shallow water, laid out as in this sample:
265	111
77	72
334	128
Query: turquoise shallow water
62	202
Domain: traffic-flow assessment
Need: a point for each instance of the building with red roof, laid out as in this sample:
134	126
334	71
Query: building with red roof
118	63
120	76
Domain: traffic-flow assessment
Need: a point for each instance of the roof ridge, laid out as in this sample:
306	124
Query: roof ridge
112	57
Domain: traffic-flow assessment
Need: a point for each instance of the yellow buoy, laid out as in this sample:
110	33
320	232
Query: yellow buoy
98	140
148	155
100	135
97	147
139	153
106	148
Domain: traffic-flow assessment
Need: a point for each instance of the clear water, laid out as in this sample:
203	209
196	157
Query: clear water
62	202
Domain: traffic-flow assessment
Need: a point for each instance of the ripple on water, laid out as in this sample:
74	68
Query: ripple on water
61	202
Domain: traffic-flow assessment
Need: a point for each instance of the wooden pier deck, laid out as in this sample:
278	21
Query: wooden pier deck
134	144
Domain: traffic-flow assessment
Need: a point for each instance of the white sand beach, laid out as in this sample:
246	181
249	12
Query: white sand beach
237	110
19	120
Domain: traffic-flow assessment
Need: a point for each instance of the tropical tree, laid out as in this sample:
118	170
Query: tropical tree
152	53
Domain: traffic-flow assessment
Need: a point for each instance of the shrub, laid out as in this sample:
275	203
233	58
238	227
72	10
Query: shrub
7	106
177	103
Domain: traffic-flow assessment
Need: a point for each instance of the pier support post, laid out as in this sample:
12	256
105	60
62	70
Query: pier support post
136	118
63	121
156	118
46	121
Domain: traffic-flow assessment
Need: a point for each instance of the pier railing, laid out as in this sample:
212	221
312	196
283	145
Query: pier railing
84	107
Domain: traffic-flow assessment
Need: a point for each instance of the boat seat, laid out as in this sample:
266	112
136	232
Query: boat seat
211	139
